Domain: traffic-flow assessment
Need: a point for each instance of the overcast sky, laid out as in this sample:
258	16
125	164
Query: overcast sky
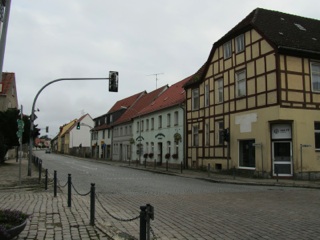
50	39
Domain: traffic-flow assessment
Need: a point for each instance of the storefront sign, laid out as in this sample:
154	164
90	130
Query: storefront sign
281	131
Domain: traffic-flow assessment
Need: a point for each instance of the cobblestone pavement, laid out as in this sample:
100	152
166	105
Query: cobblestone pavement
270	213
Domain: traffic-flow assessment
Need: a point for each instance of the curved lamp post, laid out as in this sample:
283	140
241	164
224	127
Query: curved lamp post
32	116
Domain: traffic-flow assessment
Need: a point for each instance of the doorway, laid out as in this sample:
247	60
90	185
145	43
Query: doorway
282	158
160	153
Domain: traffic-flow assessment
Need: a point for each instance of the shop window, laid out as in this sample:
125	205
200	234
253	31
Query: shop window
317	135
247	154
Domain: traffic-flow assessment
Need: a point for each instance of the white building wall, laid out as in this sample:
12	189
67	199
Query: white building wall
83	135
160	136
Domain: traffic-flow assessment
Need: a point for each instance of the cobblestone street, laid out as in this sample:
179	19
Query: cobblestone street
186	207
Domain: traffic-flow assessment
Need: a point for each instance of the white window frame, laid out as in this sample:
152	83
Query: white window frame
195	99
207	134
315	76
195	135
227	50
160	121
220	90
206	95
220	128
168	120
241	83
316	135
176	118
240	43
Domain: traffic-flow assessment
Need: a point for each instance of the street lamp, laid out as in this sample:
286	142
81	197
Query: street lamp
124	107
32	116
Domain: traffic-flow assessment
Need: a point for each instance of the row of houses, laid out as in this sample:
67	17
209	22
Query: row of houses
254	106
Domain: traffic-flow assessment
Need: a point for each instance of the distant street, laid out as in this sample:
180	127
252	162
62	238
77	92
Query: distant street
187	208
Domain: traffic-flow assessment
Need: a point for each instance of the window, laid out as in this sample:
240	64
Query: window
315	77
152	147
195	135
247	154
240	43
206	95
142	126
109	133
147	125
220	127
241	83
207	140
111	118
152	123
138	126
160	121
168	147
195	99
168	119
176	118
227	49
317	135
220	90
103	134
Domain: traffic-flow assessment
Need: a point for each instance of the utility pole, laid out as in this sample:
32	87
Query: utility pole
156	74
5	20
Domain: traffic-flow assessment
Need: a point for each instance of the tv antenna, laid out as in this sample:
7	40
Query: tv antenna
156	74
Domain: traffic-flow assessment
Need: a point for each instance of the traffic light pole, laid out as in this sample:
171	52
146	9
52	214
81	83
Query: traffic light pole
32	116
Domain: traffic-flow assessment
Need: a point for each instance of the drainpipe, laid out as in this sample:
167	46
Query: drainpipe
185	161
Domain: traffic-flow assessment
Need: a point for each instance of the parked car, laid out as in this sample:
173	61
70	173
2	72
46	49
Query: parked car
48	150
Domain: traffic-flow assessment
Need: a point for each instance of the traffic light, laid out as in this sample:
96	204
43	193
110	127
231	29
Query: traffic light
113	81
36	131
78	125
47	129
226	135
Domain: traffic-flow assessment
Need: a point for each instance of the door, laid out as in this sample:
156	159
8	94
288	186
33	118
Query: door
160	153
282	158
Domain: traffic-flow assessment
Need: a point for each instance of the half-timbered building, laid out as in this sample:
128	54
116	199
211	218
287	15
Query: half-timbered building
255	104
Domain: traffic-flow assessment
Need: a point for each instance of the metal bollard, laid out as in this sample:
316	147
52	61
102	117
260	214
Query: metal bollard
143	223
40	169
92	203
55	183
69	190
46	181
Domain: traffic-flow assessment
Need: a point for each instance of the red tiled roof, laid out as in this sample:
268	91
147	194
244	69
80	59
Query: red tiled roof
126	102
140	104
7	79
173	96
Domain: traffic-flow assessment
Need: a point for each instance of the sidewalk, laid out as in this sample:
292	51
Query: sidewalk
51	218
219	177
